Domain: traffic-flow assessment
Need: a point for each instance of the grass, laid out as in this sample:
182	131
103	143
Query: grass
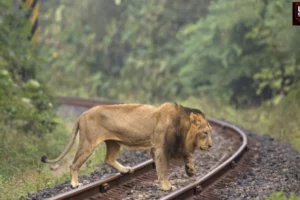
20	165
27	182
282	196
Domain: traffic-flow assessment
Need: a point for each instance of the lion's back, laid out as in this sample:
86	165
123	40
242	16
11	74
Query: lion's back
131	118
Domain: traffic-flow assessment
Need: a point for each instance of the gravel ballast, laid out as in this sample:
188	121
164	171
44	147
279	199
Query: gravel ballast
275	167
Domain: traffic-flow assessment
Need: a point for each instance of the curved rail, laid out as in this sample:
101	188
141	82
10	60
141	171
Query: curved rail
188	191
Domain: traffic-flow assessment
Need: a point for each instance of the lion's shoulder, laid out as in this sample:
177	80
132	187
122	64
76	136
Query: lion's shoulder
169	107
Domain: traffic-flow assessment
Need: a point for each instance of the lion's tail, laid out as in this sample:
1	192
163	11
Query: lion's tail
71	142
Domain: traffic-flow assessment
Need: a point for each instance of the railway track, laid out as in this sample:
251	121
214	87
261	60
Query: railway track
120	186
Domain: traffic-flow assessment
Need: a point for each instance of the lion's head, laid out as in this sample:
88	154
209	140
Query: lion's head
199	133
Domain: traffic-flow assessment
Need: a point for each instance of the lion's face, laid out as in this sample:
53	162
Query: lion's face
201	130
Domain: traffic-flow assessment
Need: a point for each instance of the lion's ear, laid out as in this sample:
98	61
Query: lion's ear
193	117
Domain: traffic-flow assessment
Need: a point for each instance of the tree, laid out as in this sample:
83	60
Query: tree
241	47
71	49
141	44
25	102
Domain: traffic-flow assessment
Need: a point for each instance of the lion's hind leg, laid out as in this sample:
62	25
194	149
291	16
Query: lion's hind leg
113	151
84	151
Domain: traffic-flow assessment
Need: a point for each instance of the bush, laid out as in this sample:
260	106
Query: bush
27	107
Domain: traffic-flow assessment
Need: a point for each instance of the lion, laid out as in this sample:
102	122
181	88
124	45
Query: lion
169	130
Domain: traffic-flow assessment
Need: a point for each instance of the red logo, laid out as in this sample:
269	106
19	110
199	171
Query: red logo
296	13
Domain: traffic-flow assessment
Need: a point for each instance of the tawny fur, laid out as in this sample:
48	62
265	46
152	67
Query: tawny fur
169	130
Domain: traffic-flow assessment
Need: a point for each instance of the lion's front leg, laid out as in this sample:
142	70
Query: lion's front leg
189	164
161	163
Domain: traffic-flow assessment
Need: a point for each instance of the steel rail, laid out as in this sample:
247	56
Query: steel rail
188	191
105	184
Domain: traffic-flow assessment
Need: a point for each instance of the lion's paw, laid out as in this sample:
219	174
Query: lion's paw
74	186
167	186
127	170
190	171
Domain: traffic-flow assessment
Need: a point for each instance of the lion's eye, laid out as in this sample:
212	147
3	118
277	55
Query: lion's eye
202	135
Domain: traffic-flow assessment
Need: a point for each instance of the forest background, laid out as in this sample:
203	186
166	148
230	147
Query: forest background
234	60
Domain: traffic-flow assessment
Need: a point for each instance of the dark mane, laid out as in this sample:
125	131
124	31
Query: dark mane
192	110
181	125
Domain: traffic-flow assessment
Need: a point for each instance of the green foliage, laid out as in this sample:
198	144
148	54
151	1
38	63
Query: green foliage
129	50
24	153
156	50
25	107
282	196
25	104
20	164
239	41
145	38
26	111
35	180
17	54
69	46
